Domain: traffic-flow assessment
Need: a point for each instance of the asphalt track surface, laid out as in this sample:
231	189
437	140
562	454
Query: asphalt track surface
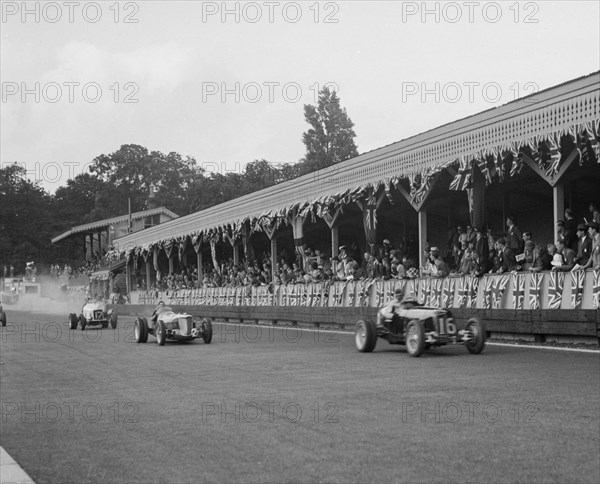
264	404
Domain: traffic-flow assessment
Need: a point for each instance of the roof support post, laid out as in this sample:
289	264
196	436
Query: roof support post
148	275
273	257
476	197
558	202
128	275
422	214
335	240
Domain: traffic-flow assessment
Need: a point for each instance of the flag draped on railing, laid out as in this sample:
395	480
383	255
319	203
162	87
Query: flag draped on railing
577	278
596	290
555	289
535	290
518	290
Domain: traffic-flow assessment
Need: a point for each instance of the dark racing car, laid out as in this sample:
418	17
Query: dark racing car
419	328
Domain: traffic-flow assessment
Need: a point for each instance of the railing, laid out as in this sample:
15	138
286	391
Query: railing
519	291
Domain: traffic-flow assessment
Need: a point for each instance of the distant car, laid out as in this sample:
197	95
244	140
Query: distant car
165	324
93	313
420	328
2	316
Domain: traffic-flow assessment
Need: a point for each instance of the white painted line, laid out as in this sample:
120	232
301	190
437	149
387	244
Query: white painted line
10	471
510	345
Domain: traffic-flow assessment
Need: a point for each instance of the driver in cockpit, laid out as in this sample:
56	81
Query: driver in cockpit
160	308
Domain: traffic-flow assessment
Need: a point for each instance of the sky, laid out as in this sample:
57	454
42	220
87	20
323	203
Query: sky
226	82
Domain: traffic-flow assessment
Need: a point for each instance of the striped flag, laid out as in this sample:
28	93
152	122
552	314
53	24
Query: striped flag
425	292
577	278
302	295
350	294
555	289
535	290
448	292
596	290
473	288
518	290
380	294
292	301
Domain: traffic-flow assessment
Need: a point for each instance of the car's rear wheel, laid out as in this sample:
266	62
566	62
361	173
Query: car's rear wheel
161	333
72	321
3	318
82	321
415	338
140	331
207	330
365	336
104	324
145	336
476	341
113	320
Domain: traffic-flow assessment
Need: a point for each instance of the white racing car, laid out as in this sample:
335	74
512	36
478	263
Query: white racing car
165	324
93	313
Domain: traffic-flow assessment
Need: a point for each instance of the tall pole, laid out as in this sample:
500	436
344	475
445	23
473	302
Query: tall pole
129	225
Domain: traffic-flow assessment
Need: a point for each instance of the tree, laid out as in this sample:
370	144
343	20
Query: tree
331	137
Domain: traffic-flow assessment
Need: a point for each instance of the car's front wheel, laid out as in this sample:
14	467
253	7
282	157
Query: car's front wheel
113	320
72	321
161	333
207	330
82	321
415	338
3	318
365	336
145	336
140	331
476	341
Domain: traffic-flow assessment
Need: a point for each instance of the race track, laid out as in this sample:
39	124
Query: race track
264	404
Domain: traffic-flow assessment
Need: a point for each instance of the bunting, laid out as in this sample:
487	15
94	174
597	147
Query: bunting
535	290
448	292
463	178
555	289
596	290
487	292
463	292
350	294
518	295
577	278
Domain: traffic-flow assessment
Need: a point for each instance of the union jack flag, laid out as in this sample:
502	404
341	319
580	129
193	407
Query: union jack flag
425	292
325	294
302	295
436	289
448	292
291	290
487	292
596	290
535	290
350	294
462	180
380	293
555	289
463	291
389	290
473	287
577	278
487	166
555	156
592	136
518	290
500	284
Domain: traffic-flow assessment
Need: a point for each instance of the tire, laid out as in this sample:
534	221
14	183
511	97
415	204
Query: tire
104	324
140	331
160	332
477	342
113	320
365	336
415	338
82	322
207	330
72	321
145	337
3	318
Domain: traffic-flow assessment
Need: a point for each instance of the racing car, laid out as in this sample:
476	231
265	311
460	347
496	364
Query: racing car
165	324
93	313
2	316
420	328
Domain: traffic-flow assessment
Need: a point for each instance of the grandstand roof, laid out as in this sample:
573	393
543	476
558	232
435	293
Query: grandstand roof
93	226
520	122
